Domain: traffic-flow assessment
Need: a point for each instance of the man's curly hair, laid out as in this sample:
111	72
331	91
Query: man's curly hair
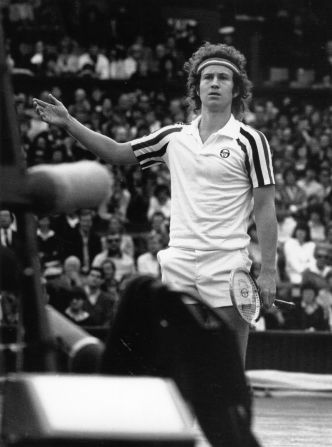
241	82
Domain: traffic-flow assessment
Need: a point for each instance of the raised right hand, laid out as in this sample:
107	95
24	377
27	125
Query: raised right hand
53	112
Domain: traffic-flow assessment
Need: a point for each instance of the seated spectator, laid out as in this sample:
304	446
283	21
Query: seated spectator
120	199
71	276
317	271
309	314
147	263
8	233
124	263
81	108
325	179
84	242
291	194
9	307
67	60
325	298
299	254
160	225
97	60
75	311
309	184
47	241
160	201
99	304
110	284
316	223
115	226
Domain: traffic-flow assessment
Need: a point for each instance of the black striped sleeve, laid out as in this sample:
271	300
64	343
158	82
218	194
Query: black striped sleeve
150	150
259	155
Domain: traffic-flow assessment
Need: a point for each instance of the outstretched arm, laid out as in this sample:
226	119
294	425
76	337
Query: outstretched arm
267	233
103	147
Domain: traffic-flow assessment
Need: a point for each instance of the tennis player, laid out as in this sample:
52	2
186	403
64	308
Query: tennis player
221	171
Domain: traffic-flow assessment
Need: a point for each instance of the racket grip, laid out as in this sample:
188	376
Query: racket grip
282	303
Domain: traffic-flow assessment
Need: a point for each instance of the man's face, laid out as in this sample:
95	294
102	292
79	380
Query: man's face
113	243
95	279
86	222
321	258
5	219
216	88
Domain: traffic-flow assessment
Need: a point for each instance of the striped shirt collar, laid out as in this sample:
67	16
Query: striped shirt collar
231	129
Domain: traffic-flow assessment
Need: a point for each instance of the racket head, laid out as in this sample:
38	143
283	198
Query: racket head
245	295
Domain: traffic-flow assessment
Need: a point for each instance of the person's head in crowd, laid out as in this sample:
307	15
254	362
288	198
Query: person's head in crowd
242	85
109	269
77	297
113	244
44	223
324	141
289	176
58	155
39	151
321	255
309	292
325	177
72	264
106	106
160	51
80	95
314	147
6	218
162	193
144	103
301	152
124	102
94	51
302	232
115	225
154	243
328	155
95	278
121	134
158	221
315	214
86	220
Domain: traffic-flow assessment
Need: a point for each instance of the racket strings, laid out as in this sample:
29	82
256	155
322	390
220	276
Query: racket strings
246	297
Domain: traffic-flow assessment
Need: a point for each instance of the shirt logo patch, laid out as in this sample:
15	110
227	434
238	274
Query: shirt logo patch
224	153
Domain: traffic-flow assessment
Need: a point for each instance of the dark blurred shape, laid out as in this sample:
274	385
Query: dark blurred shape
155	333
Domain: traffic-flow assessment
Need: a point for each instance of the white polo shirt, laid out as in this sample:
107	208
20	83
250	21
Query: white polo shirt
211	183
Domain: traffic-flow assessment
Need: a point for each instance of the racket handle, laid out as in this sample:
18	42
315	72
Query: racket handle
282	303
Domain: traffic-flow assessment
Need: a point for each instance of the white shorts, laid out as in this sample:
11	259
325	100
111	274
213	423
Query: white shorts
202	273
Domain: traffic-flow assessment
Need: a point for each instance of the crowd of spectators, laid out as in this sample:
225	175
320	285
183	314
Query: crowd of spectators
87	256
123	236
123	41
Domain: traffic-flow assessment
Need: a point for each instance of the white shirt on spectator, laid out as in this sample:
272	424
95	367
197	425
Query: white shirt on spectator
101	66
299	257
147	264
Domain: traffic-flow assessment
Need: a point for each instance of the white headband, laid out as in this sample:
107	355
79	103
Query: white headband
218	61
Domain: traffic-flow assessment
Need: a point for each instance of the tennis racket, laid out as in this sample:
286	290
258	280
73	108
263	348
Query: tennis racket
245	296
